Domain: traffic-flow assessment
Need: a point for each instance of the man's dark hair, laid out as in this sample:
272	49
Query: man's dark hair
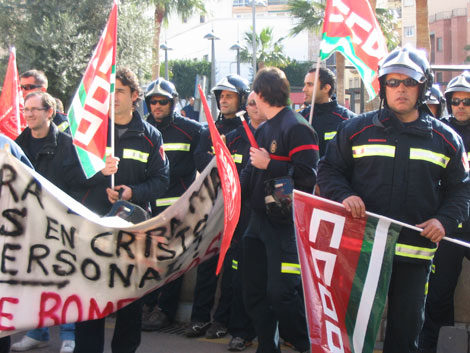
39	77
325	76
129	78
47	101
271	84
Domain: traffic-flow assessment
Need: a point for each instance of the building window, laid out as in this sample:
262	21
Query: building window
439	44
409	2
439	77
409	31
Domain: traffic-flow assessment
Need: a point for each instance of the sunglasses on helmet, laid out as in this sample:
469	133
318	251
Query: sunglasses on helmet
408	82
160	101
456	101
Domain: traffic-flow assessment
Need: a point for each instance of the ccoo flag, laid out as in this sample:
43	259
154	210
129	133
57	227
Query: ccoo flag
12	121
346	267
88	113
351	28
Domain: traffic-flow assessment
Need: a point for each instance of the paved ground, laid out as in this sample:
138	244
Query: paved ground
170	341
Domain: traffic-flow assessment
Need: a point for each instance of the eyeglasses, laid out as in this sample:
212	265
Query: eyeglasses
408	82
251	104
33	110
161	101
29	87
456	101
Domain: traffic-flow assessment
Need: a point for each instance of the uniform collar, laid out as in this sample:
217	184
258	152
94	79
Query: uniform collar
421	126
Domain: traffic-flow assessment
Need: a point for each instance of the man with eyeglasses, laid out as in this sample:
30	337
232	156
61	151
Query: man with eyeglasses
180	139
53	156
36	81
327	113
402	163
447	263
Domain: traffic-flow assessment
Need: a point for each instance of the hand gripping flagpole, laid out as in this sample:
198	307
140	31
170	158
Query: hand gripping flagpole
452	240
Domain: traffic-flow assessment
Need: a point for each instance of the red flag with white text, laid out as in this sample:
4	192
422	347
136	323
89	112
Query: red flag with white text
89	111
230	183
351	28
346	264
12	121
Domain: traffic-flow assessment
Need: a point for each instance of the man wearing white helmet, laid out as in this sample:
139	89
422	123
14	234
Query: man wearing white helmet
447	263
402	163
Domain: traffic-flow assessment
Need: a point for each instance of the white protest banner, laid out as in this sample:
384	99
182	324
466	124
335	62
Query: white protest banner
61	263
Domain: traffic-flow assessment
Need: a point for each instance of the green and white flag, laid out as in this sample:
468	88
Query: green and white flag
351	28
89	111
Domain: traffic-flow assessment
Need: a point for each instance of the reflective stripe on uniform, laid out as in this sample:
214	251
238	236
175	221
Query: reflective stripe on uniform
429	156
290	268
329	135
468	156
63	126
166	202
237	158
235	264
136	155
176	147
373	150
414	251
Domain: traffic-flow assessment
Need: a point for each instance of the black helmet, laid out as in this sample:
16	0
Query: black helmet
233	83
436	97
407	61
460	83
161	87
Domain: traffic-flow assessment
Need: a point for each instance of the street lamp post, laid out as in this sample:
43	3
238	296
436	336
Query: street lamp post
237	47
166	48
212	37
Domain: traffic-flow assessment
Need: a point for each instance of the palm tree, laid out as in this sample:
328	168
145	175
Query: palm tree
269	51
422	26
163	9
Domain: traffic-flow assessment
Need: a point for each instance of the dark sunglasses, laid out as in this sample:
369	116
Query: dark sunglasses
408	82
252	104
161	101
29	87
456	102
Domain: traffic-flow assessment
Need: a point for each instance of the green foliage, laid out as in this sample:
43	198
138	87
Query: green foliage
295	72
388	21
59	36
183	74
268	50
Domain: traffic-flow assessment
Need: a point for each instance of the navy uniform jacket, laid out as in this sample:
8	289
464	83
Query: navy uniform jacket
409	172
180	139
57	160
325	120
290	141
239	146
204	152
143	166
62	122
464	132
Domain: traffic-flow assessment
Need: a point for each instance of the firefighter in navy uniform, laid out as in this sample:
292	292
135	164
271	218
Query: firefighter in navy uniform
447	263
271	270
142	174
240	325
180	138
436	101
402	163
231	94
327	113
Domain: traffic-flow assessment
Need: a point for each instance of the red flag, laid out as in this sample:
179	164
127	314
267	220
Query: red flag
230	183
346	267
12	121
90	108
351	27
